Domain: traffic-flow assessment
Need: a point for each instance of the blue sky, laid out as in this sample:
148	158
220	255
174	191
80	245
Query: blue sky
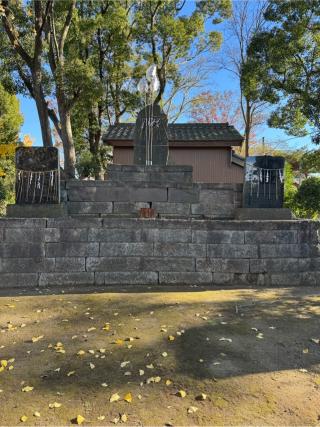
220	81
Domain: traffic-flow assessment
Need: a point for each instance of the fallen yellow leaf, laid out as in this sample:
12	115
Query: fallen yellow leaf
171	338
201	396
55	405
23	419
79	419
35	339
114	397
36	414
106	327
4	363
71	373
305	351
124	418
128	397
81	353
181	393
27	388
192	409
168	382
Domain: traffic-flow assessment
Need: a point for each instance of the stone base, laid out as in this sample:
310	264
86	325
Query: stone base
160	175
263	214
37	211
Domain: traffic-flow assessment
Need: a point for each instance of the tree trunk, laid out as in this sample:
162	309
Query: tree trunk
43	115
247	129
67	139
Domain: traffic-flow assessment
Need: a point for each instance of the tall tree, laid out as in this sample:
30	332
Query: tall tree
23	50
40	54
287	59
247	20
166	37
221	107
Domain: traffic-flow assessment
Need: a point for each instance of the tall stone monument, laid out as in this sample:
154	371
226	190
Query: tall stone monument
151	137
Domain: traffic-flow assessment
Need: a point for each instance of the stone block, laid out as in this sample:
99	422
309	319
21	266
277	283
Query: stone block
80	222
52	234
225	279
113	263
278	265
24	235
117	235
182	209
23	222
74	235
129	207
178	195
26	265
290	279
285	250
167	264
69	264
220	265
36	210
179	250
232	251
83	208
215	202
127	278
218	236
245	214
151	194
72	249
126	249
14	280
166	235
185	278
22	250
66	279
274	236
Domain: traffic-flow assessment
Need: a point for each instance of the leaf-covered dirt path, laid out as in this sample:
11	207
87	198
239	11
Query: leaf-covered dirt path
219	357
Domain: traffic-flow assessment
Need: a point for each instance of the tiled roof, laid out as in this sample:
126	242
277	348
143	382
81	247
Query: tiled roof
180	132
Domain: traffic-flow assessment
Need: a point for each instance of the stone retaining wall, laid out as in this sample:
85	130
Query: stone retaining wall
113	251
112	198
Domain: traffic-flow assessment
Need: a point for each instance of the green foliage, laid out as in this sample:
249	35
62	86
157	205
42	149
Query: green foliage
10	117
306	201
164	35
286	60
289	188
10	123
310	162
87	165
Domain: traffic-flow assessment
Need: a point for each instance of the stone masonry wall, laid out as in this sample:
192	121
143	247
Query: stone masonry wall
104	198
115	251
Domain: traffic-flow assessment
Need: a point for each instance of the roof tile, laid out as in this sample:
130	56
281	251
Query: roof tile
180	132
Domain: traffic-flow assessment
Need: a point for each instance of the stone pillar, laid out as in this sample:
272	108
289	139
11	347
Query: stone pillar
151	126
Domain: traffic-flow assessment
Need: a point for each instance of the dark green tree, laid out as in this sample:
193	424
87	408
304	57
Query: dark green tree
286	60
166	37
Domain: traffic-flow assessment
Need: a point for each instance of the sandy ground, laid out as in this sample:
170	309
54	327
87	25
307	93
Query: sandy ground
253	356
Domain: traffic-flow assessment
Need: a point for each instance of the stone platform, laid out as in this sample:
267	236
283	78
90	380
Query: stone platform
168	189
113	251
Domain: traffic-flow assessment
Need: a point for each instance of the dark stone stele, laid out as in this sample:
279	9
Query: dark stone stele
37	175
151	119
263	183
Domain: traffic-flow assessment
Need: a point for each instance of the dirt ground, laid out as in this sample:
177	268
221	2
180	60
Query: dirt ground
219	357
